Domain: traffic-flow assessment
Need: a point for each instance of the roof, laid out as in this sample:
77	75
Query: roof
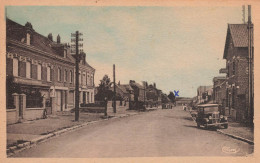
137	85
239	35
127	87
17	32
219	78
124	88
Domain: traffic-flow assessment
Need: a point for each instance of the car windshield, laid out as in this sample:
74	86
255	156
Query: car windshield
211	109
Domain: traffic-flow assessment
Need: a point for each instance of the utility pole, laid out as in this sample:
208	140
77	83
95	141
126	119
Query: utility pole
114	78
77	57
250	67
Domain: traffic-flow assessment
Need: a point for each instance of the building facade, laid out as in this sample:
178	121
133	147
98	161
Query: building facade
40	67
236	56
204	94
219	90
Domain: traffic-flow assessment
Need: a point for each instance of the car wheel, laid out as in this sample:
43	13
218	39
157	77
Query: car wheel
198	125
226	126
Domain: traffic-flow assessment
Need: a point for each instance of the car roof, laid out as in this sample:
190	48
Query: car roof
207	105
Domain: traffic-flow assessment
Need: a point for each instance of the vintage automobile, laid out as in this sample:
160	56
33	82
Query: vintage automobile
209	116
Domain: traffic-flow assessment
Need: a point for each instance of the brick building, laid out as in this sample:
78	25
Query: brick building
219	90
236	55
41	69
204	94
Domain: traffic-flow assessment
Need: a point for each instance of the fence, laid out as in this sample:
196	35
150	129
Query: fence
21	112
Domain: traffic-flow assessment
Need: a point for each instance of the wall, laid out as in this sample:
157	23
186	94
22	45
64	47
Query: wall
11	116
33	113
109	105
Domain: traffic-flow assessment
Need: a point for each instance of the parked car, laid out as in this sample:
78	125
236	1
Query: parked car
209	116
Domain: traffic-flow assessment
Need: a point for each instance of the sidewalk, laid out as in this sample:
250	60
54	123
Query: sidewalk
239	130
31	130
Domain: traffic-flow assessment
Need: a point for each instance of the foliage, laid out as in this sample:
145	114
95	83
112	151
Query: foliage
103	89
171	96
165	99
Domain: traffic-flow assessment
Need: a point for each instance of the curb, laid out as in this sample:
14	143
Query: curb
20	147
236	137
233	136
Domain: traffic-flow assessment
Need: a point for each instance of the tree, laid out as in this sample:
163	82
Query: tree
103	91
165	99
103	88
171	96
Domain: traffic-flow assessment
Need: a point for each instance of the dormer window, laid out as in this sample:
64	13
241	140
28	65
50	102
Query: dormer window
28	39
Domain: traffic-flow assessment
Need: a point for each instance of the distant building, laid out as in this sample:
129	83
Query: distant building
204	94
183	101
139	91
125	91
153	95
219	90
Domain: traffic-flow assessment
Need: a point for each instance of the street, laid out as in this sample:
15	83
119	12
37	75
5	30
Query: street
167	132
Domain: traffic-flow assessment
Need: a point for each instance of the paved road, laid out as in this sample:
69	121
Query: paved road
168	132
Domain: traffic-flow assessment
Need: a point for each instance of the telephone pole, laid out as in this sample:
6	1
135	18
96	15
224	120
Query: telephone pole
75	50
114	78
250	67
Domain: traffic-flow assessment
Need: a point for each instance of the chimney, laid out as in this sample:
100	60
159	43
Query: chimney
118	82
243	14
50	36
58	39
154	85
249	14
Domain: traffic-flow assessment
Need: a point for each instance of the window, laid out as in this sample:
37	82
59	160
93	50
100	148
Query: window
228	70
39	72
84	78
91	97
79	77
233	97
28	39
234	68
65	75
15	66
88	97
71	77
48	74
28	69
59	74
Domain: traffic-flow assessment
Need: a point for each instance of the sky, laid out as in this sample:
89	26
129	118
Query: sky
178	48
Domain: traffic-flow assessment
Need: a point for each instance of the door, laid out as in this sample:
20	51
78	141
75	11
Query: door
84	97
58	101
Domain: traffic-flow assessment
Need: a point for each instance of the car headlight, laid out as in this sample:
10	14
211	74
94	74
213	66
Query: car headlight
207	120
225	118
210	117
221	116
